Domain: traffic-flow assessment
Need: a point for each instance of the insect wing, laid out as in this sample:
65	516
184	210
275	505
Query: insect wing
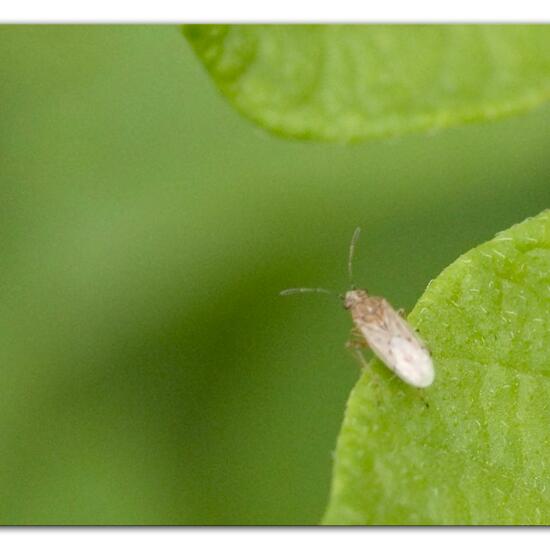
393	340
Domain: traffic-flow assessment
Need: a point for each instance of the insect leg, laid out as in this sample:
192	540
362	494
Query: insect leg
365	367
356	340
355	344
362	361
403	314
423	398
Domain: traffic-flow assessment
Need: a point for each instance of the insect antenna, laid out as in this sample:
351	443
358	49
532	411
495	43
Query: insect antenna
351	253
290	291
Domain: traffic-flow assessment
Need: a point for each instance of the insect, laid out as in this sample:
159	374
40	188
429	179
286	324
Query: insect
380	327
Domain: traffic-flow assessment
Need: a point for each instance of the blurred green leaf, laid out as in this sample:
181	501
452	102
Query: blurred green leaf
352	82
473	448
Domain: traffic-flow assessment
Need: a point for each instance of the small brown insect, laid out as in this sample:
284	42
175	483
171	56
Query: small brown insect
384	330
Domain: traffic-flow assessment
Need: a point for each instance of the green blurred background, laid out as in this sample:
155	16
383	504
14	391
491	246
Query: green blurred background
149	371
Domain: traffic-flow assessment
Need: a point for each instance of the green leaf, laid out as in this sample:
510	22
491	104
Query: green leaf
474	447
352	82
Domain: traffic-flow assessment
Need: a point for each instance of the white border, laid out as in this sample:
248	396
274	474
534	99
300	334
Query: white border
354	538
254	11
343	11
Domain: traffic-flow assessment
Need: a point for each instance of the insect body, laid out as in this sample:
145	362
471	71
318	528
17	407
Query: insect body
385	331
390	337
